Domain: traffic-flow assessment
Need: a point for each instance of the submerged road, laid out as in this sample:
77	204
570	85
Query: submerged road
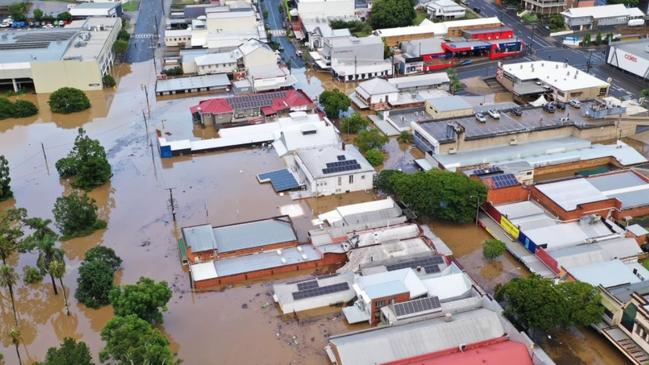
142	45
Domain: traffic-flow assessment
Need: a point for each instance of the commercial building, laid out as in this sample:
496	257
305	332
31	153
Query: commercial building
593	17
353	58
239	110
428	29
448	107
250	53
204	242
444	9
314	293
332	170
96	9
78	55
329	9
618	194
193	84
545	6
562	81
408	91
631	57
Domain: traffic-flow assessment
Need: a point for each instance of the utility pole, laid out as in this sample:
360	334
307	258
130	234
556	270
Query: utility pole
533	33
162	5
146	126
45	157
589	64
146	94
172	203
355	69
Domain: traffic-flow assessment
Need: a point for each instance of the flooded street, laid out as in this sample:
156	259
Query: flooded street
239	325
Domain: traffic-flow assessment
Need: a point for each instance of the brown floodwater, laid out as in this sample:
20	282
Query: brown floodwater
238	325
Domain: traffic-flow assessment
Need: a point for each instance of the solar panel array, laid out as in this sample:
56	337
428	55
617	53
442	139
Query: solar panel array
429	264
504	180
341	157
491	170
307	285
282	180
31	45
314	292
44	36
255	100
416	306
340	166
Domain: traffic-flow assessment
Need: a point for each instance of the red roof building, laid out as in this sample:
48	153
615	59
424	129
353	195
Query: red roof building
239	110
495	352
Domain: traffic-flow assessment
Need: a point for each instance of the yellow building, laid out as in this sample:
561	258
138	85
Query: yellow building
448	107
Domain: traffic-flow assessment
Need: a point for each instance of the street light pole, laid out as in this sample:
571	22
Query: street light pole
589	64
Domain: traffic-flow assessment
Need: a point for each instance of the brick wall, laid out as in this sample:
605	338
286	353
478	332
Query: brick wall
507	195
603	208
378	303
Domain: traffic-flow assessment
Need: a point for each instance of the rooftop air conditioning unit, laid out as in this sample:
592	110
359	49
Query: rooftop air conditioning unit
279	252
299	248
452	151
513	142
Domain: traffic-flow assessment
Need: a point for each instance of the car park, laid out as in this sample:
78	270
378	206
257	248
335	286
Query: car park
550	108
575	103
480	117
493	113
517	111
560	105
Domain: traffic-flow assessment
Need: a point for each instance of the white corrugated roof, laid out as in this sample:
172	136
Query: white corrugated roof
203	271
559	75
608	273
435	28
602	11
390	283
571	193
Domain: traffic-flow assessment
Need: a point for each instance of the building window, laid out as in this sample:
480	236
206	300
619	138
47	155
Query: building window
340	180
362	177
351	179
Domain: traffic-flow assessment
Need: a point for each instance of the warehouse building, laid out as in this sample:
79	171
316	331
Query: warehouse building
78	55
631	57
593	17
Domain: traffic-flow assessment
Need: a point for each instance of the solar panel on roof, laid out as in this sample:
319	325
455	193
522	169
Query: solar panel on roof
30	45
340	166
341	157
314	292
419	262
504	180
416	306
307	285
281	180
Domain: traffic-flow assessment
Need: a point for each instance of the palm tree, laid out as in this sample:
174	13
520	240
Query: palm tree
57	268
9	278
10	232
43	239
15	339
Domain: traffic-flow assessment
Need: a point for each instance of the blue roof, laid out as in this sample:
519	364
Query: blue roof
282	180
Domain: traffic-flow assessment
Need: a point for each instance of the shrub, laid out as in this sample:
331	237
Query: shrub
32	275
108	81
375	156
404	137
76	215
7	108
25	108
175	71
354	123
124	35
493	248
368	139
68	100
120	46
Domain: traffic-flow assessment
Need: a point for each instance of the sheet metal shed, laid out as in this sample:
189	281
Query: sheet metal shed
254	234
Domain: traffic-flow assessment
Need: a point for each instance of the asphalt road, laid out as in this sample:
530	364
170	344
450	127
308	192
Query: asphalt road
143	43
545	48
275	20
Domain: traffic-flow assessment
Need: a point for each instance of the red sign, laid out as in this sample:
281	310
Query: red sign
630	57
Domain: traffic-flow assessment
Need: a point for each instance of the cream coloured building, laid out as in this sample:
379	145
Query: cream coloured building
78	55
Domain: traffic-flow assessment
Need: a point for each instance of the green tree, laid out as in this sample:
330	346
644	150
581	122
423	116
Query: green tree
132	340
38	14
598	38
405	137
65	16
68	100
354	123
643	93
369	139
455	84
94	284
70	352
43	239
123	35
120	46
57	268
539	303
334	102
32	275
9	279
18	11
556	22
586	40
24	108
493	248
87	163
5	179
627	3
392	13
11	232
108	81
436	193
16	337
387	51
76	215
375	156
146	299
105	255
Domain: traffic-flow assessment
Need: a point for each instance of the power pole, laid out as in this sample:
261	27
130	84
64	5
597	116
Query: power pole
146	94
146	126
589	64
172	203
355	69
162	5
45	157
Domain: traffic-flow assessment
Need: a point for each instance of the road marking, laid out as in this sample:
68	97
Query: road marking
277	32
143	35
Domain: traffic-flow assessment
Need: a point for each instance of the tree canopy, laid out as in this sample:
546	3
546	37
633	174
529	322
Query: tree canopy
392	13
18	109
86	164
103	254
375	156
334	102
68	353
76	215
539	303
436	193
145	299
132	340
354	124
68	100
94	284
11	233
5	179
369	139
493	248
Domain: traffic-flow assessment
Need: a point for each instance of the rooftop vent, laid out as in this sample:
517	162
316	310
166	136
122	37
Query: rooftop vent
279	252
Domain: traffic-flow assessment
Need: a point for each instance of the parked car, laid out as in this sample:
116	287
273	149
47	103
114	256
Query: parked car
18	24
560	105
298	53
480	117
550	108
477	10
575	103
465	62
493	113
517	111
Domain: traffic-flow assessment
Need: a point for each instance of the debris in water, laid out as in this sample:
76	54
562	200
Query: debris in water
265	305
244	306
